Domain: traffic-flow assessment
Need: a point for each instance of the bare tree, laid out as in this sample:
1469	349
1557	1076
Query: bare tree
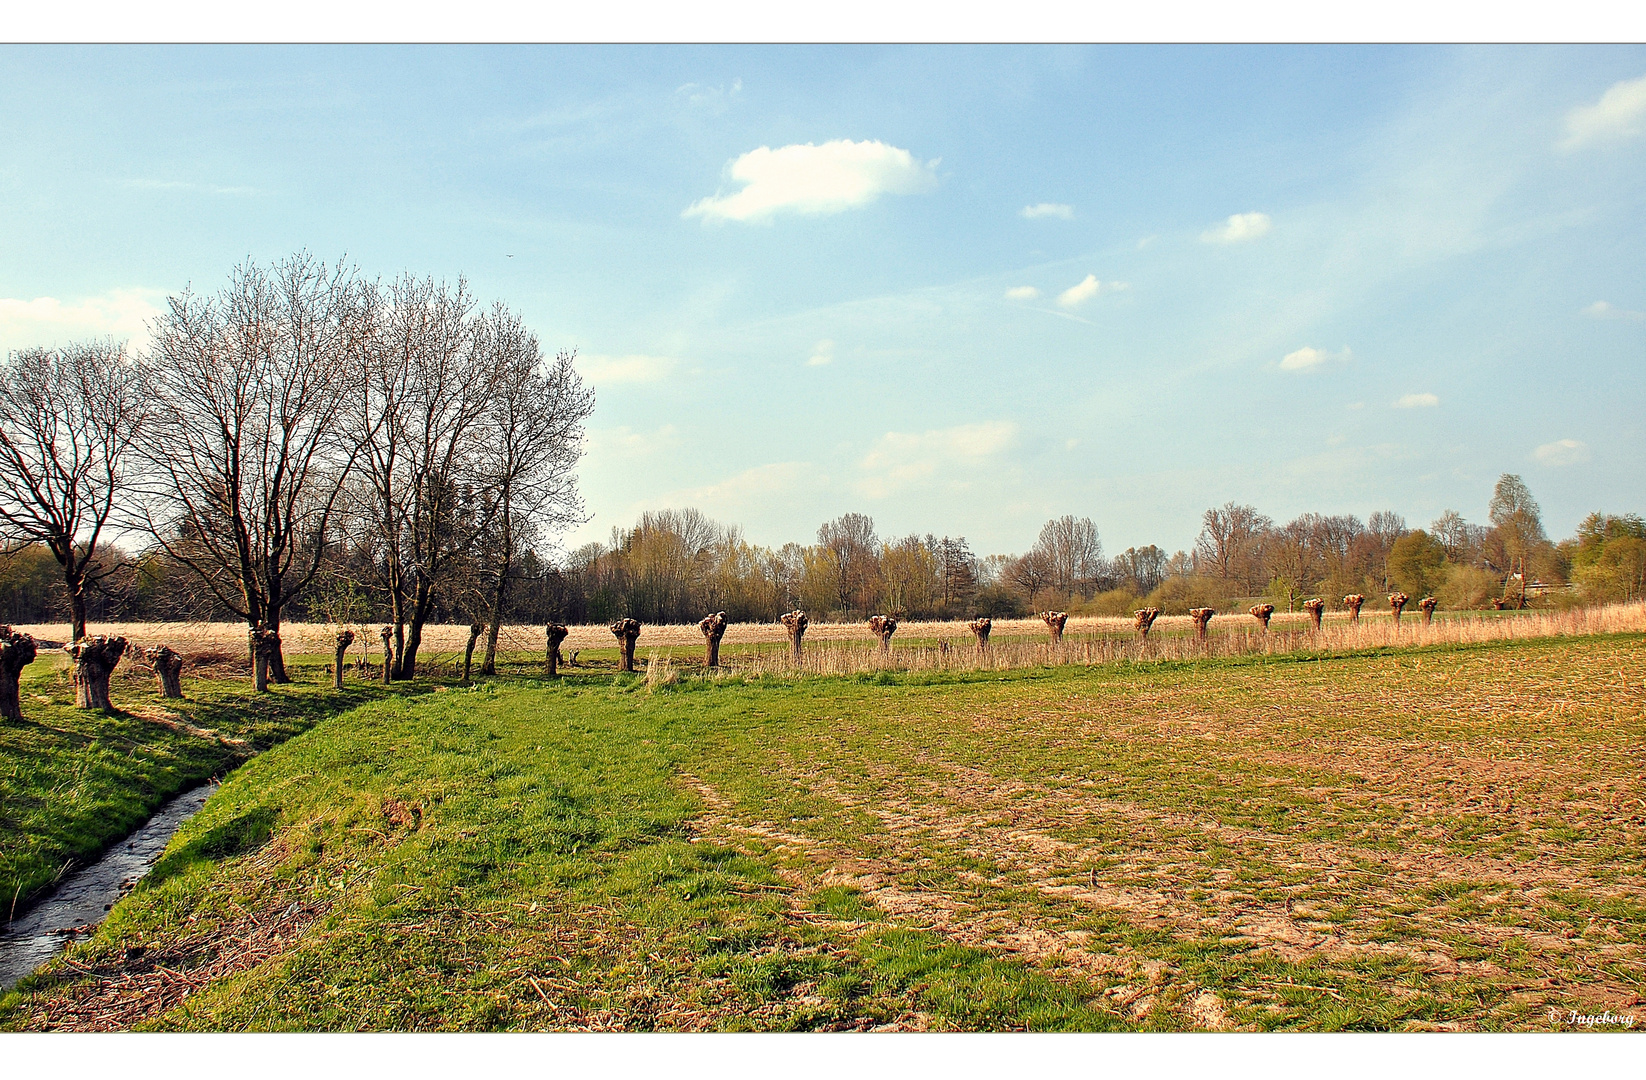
1072	552
1230	542
534	440
247	455
422	399
68	420
851	540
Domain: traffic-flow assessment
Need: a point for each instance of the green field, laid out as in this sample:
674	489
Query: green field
1441	837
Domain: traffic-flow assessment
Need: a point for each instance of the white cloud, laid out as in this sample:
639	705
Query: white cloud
1309	358
900	459
634	368
1619	114
712	98
1146	241
1238	228
1600	309
1048	209
1417	401
1076	295
1562	452
1022	292
119	313
628	444
822	353
808	179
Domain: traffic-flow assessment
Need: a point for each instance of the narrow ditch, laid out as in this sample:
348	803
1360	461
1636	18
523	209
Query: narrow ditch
72	911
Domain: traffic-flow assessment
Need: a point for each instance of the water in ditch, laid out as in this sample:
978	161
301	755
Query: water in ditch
73	910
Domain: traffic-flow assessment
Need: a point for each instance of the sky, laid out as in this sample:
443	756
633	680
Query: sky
962	290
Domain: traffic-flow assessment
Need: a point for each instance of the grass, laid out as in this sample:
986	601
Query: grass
1397	838
72	782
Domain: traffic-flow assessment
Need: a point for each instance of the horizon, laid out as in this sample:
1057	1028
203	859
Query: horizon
960	290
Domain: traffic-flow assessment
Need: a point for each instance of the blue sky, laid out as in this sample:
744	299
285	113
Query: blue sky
962	290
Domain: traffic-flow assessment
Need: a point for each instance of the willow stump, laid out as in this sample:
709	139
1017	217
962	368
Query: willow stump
168	669
884	626
1143	619
1316	607
1201	616
344	640
94	660
1262	613
17	651
980	629
1397	604
1353	602
387	634
553	635
475	630
1055	622
627	632
1428	605
795	623
713	628
1499	604
265	650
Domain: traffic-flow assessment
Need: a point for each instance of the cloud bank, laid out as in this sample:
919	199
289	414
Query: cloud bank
634	368
1562	452
809	179
46	320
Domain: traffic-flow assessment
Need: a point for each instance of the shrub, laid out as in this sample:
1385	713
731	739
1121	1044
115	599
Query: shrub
1468	587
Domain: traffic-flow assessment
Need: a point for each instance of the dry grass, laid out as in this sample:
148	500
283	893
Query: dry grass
849	648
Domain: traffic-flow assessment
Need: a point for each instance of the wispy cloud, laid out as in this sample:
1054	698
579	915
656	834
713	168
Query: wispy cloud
1309	358
1239	228
712	99
1562	452
46	320
898	459
1022	292
634	368
626	443
1619	114
809	179
1416	401
1048	209
1600	309
822	353
188	186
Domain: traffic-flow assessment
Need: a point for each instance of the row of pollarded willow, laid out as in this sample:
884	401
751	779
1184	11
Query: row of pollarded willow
300	411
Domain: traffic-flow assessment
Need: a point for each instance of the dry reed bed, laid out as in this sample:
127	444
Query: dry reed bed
845	648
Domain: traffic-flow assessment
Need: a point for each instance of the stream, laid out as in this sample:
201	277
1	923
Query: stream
72	911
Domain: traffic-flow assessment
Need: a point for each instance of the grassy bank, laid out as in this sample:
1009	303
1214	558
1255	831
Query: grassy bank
73	781
1403	838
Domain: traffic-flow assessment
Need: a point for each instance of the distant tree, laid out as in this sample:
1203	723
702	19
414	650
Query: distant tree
1032	573
851	540
1072	553
1518	523
958	567
68	420
1141	570
1230	542
1417	563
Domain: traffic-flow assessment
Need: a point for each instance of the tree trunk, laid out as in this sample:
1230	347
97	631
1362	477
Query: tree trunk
387	635
554	634
1316	607
344	640
627	632
1055	621
94	660
980	628
1397	604
407	666
713	628
266	647
77	610
1143	619
1201	616
168	669
1428	604
1353	602
475	630
17	651
795	622
1262	613
277	653
488	665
